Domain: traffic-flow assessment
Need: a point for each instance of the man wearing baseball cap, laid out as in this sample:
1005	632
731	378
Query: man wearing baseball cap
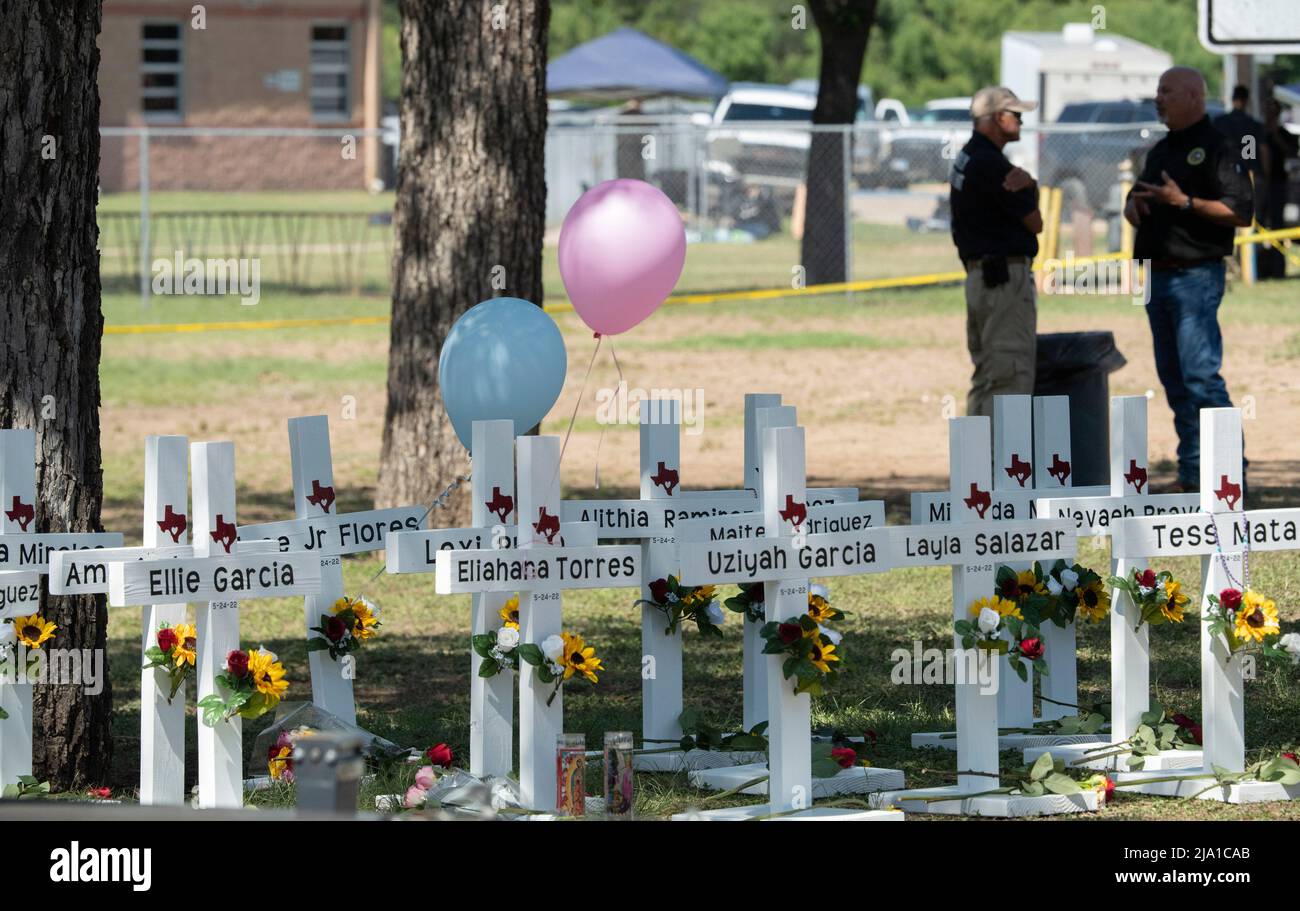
995	223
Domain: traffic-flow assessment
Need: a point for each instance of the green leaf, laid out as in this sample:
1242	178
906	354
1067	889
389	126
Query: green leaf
318	645
489	668
1042	766
1061	784
532	654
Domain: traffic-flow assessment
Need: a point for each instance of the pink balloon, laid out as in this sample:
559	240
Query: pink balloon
622	248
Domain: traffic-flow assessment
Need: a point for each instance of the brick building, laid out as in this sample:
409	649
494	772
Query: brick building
226	64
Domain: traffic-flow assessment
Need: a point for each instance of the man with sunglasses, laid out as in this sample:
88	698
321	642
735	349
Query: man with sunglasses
995	223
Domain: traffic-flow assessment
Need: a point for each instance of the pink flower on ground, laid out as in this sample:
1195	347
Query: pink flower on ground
425	778
415	797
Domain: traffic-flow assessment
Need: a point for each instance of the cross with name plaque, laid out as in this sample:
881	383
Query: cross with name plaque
221	573
492	525
321	529
973	545
24	557
1130	649
1223	535
540	569
783	556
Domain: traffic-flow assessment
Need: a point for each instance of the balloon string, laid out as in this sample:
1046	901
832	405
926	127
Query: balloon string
601	439
577	405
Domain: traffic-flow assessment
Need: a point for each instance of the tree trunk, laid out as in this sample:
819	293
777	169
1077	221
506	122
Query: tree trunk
51	323
843	26
471	211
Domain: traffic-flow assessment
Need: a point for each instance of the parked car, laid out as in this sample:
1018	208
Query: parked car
1085	163
922	149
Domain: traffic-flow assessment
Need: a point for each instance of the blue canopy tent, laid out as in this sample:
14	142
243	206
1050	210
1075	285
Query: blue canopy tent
627	63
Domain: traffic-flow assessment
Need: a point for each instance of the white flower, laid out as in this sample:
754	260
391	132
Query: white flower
553	647
989	620
715	614
818	589
1053	586
830	634
1146	591
1290	643
672	598
507	638
1069	578
266	651
554	668
495	654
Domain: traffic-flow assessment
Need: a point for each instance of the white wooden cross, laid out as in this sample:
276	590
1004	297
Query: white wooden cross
540	568
1223	535
974	545
1130	495
166	527
222	573
24	557
1031	452
784	555
320	528
492	525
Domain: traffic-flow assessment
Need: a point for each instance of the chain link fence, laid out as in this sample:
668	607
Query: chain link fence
767	205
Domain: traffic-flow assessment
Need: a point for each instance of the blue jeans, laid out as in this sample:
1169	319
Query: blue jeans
1184	316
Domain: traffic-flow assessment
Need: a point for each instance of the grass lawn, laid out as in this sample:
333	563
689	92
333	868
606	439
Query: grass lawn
871	375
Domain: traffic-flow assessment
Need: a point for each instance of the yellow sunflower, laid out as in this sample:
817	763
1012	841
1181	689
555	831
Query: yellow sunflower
366	621
1174	602
1003	606
34	631
1094	601
819	608
278	762
822	654
1256	618
701	596
509	613
186	648
579	658
1027	584
267	674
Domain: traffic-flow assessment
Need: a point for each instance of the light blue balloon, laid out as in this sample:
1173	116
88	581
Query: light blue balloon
504	359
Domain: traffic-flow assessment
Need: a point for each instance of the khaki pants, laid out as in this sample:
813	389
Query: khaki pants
1002	333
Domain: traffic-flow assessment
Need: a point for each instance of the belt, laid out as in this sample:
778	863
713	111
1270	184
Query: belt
974	262
1172	265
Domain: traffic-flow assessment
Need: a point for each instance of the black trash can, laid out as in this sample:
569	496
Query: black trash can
1079	364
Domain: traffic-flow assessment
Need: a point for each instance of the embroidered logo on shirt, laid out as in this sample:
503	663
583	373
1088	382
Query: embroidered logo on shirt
1196	156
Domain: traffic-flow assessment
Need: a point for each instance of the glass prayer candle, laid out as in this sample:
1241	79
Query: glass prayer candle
570	768
618	774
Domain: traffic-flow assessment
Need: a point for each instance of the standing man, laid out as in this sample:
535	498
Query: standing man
995	223
1192	194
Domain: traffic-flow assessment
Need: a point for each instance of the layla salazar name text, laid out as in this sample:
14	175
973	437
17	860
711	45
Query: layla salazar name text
180	581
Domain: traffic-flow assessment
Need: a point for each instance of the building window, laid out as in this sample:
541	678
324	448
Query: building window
329	72
160	70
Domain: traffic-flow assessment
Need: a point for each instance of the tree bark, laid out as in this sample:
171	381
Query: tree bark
471	211
51	324
843	26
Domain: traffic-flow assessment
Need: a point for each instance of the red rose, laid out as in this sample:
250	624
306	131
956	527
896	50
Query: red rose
790	633
1188	725
167	638
237	664
1146	579
102	793
844	756
1292	757
1031	648
1230	599
659	591
439	755
335	629
1108	790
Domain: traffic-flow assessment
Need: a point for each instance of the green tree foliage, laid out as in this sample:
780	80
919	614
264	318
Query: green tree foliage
919	49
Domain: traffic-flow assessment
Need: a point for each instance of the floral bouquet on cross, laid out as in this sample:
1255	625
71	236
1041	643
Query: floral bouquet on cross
696	603
748	601
499	649
559	658
254	683
810	648
174	651
31	632
1057	594
1158	596
1248	623
350	622
999	626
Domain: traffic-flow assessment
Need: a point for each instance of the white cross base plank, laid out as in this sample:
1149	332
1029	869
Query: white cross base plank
784	562
1223	721
974	546
814	814
1129	496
